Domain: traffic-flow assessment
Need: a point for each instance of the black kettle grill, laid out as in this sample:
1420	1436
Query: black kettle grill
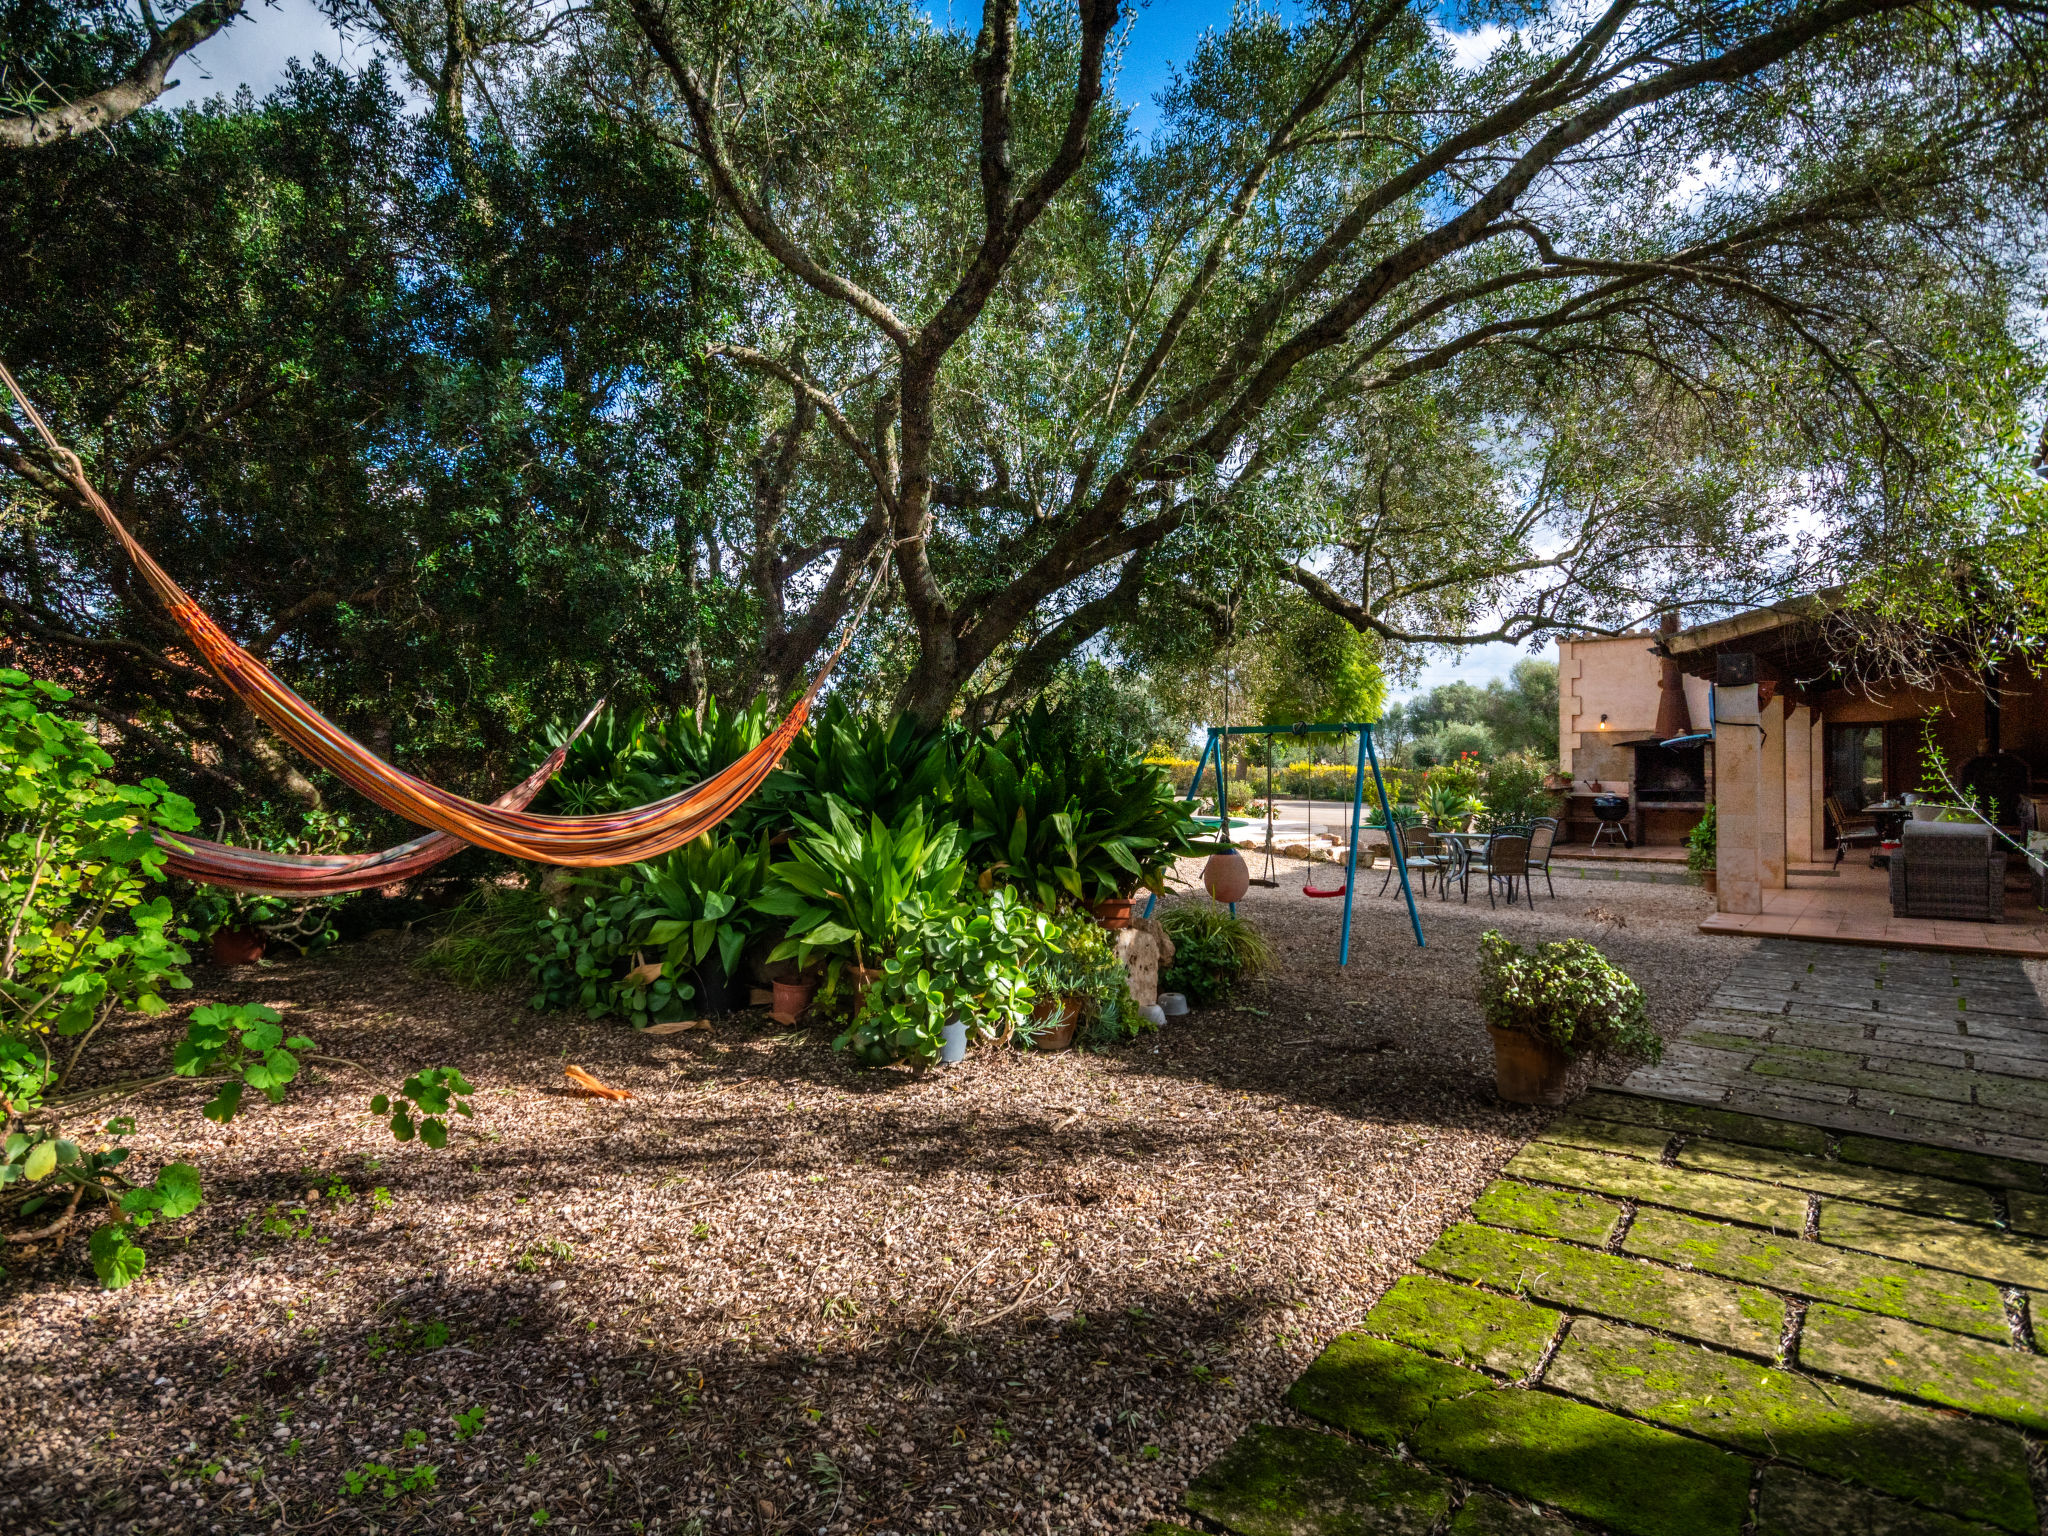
1611	811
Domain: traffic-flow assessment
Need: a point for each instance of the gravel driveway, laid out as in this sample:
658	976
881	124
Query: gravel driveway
773	1294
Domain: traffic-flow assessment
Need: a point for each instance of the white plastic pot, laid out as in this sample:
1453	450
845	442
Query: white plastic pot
1155	1013
1173	1004
954	1050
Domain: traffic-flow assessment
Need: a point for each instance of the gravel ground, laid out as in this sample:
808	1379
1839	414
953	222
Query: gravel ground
770	1294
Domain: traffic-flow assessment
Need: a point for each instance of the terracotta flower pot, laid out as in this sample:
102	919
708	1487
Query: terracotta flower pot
791	999
860	978
1226	876
1116	912
1527	1070
1061	1036
1708	883
237	946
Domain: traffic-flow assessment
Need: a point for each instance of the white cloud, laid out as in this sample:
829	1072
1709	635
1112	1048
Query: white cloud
253	52
1471	49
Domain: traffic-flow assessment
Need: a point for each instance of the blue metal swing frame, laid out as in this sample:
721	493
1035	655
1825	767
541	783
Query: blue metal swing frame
1368	756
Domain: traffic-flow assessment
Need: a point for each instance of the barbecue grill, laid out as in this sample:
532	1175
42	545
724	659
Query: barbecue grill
1611	810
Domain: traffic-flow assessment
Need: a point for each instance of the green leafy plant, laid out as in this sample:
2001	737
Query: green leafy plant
873	766
1450	794
697	905
374	1477
854	894
583	955
246	1044
974	961
1702	841
1066	825
423	1104
1212	951
1565	992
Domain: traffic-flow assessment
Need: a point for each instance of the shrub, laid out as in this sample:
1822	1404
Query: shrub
1513	790
1702	841
873	766
1212	951
81	944
1565	992
1323	781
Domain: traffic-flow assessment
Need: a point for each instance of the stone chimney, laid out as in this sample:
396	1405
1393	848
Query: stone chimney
1673	718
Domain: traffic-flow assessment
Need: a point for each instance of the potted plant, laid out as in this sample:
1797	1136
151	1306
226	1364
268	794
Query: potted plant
1083	984
972	962
851	894
1547	1006
1700	844
696	906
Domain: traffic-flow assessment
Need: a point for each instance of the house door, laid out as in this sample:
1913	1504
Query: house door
1855	767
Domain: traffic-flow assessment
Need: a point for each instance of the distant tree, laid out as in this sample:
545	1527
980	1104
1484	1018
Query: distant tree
1522	713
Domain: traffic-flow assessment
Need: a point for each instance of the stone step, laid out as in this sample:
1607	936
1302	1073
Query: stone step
1820	1273
1694	1306
1926	1363
1627	1178
1943	1461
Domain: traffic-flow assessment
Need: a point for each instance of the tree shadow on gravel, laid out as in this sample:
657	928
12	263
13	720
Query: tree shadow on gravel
955	1417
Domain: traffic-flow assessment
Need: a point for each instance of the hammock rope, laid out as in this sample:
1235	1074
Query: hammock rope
584	842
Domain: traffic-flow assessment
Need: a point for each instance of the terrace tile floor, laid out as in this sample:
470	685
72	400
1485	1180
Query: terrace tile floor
1674	1316
1854	908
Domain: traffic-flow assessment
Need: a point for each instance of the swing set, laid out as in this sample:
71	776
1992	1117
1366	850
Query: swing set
1215	748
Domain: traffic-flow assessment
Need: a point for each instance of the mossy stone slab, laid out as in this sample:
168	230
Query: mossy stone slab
1945	1461
1302	1482
1168	1528
2009	1258
2029	1213
1615	1136
1850	1181
1629	1477
1700	1120
1566	1213
1790	1503
1944	1163
1927	1363
1629	1178
1736	1317
1376	1390
1821	1273
1485	1514
1461	1324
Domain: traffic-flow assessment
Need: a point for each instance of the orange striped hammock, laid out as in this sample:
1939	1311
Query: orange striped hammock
587	842
306	875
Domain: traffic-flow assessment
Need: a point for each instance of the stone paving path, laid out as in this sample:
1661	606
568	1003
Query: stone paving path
1942	1048
1676	1318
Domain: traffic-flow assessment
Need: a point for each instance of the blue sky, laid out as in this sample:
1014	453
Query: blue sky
253	52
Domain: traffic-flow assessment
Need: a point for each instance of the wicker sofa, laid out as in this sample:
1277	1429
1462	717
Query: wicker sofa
1948	869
